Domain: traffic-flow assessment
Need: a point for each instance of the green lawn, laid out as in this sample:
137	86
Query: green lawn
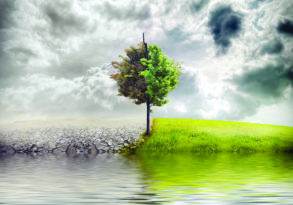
188	135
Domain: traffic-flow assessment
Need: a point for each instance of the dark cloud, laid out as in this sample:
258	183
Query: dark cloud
289	75
6	7
224	24
273	47
197	5
131	12
63	20
285	27
268	82
265	85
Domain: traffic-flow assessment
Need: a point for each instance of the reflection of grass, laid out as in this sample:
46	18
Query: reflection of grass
215	172
187	135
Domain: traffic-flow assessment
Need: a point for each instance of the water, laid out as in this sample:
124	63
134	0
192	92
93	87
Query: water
166	179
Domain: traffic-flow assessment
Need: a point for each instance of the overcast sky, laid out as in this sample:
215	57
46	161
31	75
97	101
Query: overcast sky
236	56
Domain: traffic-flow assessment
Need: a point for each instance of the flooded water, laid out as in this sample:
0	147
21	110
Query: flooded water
166	179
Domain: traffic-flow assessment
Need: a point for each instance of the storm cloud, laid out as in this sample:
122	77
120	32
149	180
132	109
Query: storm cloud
273	47
6	6
224	25
286	27
268	82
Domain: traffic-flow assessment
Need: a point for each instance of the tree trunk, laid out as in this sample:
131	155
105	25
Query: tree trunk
148	104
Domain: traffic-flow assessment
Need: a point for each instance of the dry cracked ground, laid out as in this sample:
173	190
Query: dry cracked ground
73	137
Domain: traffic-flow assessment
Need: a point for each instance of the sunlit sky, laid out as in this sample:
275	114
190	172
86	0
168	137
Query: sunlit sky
236	56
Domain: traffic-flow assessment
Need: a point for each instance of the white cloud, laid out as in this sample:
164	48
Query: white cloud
39	94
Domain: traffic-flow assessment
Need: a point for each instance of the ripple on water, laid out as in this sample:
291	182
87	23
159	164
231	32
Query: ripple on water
114	179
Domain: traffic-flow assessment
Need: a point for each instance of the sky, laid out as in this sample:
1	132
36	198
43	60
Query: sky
236	57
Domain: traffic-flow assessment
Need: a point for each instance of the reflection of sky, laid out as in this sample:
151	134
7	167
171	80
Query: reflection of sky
236	57
115	179
53	180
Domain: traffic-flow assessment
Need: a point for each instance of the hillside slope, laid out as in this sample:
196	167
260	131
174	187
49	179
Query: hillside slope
189	135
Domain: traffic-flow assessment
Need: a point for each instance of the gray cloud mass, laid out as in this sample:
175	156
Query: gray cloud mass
273	47
6	6
63	20
224	25
267	82
285	27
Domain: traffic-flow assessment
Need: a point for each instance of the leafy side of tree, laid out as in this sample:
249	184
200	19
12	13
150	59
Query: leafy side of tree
146	75
161	75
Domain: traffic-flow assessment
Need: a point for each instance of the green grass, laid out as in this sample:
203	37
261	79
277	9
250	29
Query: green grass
188	135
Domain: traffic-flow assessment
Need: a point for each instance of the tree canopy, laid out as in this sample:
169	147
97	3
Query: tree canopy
143	77
161	75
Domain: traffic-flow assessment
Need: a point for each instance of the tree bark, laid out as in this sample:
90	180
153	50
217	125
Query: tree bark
148	104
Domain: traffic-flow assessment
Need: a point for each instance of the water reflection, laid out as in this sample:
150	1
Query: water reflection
50	180
220	178
147	179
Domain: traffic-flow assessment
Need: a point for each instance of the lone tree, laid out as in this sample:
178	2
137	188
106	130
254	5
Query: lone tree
146	75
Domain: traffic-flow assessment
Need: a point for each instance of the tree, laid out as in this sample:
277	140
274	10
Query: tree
146	75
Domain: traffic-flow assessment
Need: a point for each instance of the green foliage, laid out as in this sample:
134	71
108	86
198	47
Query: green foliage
187	135
143	79
161	75
130	82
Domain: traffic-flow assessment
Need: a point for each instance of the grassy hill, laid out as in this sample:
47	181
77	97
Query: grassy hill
188	135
